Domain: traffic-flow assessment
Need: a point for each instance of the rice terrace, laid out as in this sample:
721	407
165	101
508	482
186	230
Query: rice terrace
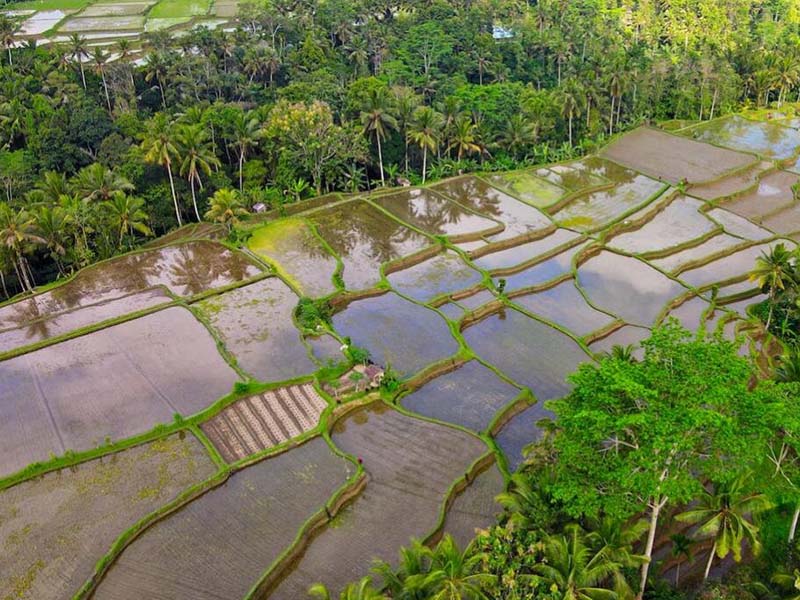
177	423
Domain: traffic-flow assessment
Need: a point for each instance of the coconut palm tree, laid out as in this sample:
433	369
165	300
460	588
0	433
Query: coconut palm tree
196	157
681	550
160	147
464	137
98	183
17	234
362	590
378	120
789	582
425	132
226	208
100	60
788	367
403	582
126	214
406	103
52	224
53	185
155	69
8	32
573	569
78	50
456	575
570	108
244	137
772	271
615	540
518	134
124	50
723	514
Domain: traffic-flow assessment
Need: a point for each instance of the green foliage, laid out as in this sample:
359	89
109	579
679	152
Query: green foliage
311	314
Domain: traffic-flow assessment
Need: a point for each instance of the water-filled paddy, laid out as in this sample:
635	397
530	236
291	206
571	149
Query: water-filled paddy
256	326
519	432
673	158
732	266
594	210
62	397
526	186
573	177
774	192
564	305
36	330
527	351
293	247
720	243
690	313
520	219
219	545
678	223
739	181
522	253
116	23
435	214
445	273
470	396
365	238
628	335
411	464
540	273
396	332
627	287
475	507
738	226
53	529
767	139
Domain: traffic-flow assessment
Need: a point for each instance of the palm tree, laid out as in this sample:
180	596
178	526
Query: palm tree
456	575
244	135
17	233
424	132
518	134
622	353
124	50
406	103
570	108
378	120
99	183
615	540
722	515
196	157
160	147
155	69
681	550
361	590
788	367
523	501
100	60
52	224
53	185
772	271
126	214
226	208
573	569
402	583
8	31
78	50
464	138
789	582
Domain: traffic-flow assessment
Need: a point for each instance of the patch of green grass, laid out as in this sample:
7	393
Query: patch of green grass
51	5
174	9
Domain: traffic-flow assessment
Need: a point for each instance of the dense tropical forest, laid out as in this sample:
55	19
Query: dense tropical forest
308	97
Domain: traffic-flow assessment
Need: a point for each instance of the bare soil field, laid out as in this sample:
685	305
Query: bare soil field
673	158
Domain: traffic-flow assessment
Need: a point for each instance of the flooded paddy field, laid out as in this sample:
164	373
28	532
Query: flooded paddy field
436	322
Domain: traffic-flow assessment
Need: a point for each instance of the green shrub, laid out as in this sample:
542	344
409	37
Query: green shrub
311	313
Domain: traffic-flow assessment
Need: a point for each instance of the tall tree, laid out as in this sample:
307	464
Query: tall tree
160	147
196	157
378	120
424	132
79	50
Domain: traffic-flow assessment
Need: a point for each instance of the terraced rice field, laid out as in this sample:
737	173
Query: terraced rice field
365	238
219	545
395	450
62	398
255	325
55	528
480	294
260	422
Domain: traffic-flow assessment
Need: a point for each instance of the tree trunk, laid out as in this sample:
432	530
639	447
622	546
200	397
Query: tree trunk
3	284
678	573
194	199
570	129
105	89
10	64
710	560
611	117
174	195
380	158
83	75
424	162
655	510
793	526
241	166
